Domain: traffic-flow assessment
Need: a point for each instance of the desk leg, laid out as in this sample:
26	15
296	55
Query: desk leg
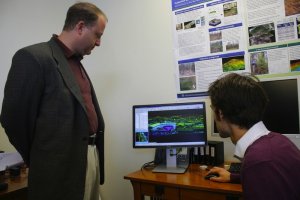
137	191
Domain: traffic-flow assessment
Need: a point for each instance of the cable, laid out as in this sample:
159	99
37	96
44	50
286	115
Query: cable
178	150
148	165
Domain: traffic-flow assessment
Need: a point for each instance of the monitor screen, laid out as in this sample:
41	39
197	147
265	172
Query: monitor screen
282	113
169	125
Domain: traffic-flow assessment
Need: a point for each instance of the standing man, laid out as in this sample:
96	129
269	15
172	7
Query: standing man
270	161
50	111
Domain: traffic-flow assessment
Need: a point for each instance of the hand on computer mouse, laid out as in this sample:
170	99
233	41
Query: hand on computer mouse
211	175
222	175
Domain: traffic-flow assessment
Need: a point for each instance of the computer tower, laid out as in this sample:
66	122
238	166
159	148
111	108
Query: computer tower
216	153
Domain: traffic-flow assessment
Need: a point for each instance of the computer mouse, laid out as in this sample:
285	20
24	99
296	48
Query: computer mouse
208	176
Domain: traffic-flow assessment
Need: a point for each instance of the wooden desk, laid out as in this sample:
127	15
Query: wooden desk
188	186
17	188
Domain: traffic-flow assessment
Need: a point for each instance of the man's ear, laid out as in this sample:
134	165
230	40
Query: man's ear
79	27
219	114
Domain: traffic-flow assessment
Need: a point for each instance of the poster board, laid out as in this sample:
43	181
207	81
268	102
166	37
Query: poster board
216	37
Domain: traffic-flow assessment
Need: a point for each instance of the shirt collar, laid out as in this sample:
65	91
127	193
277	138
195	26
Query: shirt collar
67	52
256	131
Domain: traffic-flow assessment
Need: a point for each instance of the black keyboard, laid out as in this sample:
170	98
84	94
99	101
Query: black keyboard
235	167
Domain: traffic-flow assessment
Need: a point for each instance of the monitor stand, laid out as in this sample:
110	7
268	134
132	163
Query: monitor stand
172	164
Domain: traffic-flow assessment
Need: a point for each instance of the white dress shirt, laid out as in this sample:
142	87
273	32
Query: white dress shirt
256	131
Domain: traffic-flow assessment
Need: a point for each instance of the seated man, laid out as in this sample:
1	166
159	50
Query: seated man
270	161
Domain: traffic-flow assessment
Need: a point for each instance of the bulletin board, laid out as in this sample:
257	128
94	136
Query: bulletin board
216	37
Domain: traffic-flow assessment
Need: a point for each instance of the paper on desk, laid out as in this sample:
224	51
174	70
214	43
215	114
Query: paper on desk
8	160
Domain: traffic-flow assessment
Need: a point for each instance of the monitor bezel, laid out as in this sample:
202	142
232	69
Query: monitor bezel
164	145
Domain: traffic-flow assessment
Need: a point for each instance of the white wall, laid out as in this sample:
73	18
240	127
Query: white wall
134	65
24	23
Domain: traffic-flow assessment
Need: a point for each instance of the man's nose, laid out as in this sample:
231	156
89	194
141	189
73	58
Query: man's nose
98	42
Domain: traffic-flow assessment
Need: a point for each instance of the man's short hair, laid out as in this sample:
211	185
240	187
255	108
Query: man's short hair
82	11
240	98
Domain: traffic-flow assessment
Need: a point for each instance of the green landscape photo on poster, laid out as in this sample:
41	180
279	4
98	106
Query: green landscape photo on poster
233	64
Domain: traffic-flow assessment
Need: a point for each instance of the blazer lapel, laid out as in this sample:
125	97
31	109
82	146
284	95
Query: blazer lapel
66	73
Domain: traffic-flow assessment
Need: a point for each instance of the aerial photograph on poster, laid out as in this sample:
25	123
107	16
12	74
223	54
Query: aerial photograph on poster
261	34
233	64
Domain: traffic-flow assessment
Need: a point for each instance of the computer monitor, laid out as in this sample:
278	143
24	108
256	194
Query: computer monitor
169	126
282	113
